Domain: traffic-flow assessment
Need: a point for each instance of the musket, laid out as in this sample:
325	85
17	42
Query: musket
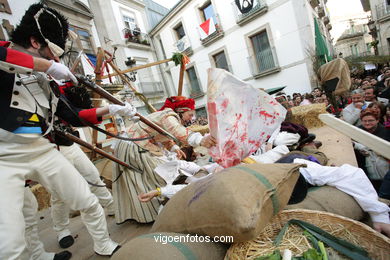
105	94
91	147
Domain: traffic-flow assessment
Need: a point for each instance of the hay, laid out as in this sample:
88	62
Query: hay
355	232
293	239
43	197
308	115
203	129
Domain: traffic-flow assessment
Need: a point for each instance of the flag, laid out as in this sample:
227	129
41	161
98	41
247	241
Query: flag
207	28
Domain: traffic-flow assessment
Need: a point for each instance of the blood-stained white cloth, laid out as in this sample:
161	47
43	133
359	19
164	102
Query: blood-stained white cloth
241	117
351	180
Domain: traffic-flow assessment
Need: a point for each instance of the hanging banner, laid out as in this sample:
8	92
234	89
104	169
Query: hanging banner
245	5
207	28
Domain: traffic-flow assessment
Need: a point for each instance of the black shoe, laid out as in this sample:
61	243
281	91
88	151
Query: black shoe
64	255
116	249
66	242
310	138
113	252
318	144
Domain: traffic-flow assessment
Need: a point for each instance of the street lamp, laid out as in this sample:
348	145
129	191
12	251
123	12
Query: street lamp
374	33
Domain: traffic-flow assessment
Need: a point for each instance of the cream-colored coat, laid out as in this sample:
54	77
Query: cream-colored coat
166	119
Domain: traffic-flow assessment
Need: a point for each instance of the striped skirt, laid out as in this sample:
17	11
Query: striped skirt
131	183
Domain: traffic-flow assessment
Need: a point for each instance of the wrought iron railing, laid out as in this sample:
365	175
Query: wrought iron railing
243	12
218	32
136	36
183	44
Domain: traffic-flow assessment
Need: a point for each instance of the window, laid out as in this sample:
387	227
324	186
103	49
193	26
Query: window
220	61
129	22
179	31
354	50
194	82
85	39
162	48
208	12
352	28
368	45
388	45
263	52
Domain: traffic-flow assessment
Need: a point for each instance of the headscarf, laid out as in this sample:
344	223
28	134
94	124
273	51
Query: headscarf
179	104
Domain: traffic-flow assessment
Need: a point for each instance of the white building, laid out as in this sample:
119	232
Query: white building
355	41
80	20
380	15
268	43
122	24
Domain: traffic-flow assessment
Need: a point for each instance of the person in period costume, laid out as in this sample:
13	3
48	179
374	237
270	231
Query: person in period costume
28	102
75	104
145	156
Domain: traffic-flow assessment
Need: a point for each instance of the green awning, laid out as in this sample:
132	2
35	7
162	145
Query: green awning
322	51
271	91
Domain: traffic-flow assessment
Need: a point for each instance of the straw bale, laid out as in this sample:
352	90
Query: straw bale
43	197
308	115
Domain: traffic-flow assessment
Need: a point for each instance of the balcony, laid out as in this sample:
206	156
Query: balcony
136	39
321	11
245	14
213	36
183	45
314	3
264	63
383	11
326	20
151	89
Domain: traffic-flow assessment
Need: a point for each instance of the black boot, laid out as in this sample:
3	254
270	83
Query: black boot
64	255
66	242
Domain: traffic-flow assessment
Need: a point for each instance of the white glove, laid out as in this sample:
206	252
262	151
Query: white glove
126	110
60	71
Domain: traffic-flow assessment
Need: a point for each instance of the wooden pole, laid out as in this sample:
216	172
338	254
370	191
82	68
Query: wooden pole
93	148
181	76
141	96
119	72
375	143
98	75
104	93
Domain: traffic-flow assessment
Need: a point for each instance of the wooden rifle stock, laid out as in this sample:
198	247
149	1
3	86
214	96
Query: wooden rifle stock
93	148
105	94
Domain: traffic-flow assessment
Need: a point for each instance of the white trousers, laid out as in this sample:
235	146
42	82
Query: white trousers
41	162
351	180
59	209
34	245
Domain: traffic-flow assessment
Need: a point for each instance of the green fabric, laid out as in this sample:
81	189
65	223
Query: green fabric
322	51
184	249
262	179
271	91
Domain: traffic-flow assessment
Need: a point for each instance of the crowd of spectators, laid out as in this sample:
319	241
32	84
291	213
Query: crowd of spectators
365	106
371	91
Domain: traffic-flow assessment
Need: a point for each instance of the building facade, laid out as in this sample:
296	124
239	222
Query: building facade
119	26
267	43
122	27
380	23
355	41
